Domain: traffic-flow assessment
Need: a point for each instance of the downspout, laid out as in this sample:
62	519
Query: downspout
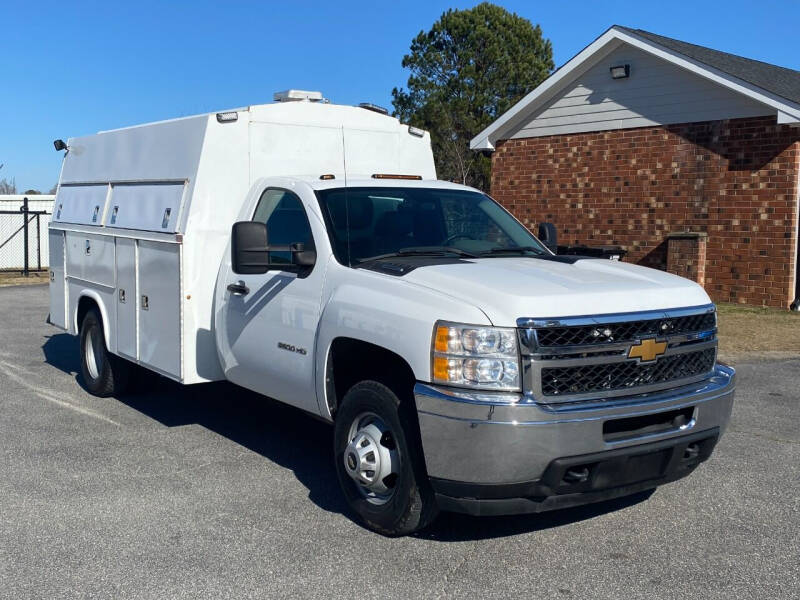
795	305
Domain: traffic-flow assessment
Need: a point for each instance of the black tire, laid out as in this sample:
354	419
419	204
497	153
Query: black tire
411	504
104	374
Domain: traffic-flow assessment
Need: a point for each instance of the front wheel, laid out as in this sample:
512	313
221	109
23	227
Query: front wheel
379	461
103	373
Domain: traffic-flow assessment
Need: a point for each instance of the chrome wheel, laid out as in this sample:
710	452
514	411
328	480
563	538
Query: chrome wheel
371	458
93	351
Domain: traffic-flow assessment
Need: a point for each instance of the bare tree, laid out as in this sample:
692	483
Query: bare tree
8	187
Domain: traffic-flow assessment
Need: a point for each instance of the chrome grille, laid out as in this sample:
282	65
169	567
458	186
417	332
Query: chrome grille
577	359
625	375
603	333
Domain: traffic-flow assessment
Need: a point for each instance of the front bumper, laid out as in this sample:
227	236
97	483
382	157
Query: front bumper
501	453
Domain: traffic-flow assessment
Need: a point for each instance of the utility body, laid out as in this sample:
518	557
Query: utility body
306	251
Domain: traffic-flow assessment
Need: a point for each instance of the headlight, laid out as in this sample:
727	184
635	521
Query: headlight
480	357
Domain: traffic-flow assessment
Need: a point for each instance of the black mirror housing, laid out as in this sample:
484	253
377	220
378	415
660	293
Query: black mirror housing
249	248
548	235
301	257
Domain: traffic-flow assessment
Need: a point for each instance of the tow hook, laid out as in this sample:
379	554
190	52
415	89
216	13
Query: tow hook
576	475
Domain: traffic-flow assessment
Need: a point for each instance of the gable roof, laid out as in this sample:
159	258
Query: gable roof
773	86
778	80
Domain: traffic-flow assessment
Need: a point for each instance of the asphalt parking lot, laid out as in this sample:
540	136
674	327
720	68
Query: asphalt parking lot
213	492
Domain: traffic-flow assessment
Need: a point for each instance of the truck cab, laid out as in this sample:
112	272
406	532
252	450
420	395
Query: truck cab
462	364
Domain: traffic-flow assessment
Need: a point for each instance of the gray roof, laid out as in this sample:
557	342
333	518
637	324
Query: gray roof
777	80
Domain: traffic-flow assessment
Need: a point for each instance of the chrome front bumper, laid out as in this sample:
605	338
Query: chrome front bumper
497	439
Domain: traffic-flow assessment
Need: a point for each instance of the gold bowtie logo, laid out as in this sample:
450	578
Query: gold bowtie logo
647	350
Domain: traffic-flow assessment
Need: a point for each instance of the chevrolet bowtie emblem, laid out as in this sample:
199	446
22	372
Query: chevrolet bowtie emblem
647	350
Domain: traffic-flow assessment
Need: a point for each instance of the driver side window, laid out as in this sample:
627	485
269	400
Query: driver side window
286	222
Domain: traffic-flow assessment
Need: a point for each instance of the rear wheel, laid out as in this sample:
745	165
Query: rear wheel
379	461
103	373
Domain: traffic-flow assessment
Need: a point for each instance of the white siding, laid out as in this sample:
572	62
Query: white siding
656	93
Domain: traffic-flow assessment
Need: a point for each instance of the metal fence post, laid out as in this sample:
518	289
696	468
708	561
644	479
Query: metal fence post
25	240
38	242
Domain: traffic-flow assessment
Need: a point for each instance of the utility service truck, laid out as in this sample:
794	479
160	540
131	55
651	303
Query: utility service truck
306	251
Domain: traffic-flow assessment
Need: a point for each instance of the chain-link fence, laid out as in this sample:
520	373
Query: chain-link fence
23	233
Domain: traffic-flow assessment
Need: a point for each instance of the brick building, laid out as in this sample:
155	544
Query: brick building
687	157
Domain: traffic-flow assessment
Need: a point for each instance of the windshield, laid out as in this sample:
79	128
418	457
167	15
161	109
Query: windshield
367	223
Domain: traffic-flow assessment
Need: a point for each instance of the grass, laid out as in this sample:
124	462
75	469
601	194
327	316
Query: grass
751	332
16	278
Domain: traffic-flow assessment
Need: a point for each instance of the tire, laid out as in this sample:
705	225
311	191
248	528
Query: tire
402	502
104	374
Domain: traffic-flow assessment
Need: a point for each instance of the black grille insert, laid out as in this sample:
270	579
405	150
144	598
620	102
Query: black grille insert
584	379
627	331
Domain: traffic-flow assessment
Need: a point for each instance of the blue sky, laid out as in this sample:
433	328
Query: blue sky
73	68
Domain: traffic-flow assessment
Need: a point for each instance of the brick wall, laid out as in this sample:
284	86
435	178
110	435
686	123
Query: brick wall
736	180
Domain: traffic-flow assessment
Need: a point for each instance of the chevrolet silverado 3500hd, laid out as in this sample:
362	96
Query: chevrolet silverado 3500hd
306	251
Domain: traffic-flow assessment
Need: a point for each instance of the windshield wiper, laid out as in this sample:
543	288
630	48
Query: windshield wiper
422	251
512	250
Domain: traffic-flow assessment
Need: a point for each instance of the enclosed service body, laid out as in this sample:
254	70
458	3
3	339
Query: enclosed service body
143	214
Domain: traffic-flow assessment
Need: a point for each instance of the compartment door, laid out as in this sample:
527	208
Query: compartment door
83	204
58	285
150	207
159	299
126	297
90	258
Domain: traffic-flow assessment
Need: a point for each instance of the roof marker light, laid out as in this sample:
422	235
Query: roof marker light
227	117
416	131
374	108
390	176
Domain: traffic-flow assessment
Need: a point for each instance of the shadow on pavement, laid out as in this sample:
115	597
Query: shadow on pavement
297	441
454	527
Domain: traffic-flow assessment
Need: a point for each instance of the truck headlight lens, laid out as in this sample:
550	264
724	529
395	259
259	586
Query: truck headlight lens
480	357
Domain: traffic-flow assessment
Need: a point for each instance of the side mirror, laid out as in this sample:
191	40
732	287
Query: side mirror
548	235
249	250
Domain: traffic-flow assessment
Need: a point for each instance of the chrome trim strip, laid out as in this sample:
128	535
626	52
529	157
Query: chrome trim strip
669	313
619	358
638	438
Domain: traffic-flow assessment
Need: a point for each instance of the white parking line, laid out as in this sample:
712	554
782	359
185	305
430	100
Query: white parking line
12	372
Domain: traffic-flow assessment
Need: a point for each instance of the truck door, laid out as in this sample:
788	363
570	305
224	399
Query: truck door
266	329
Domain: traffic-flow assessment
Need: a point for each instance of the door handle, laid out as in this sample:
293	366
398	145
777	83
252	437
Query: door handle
238	289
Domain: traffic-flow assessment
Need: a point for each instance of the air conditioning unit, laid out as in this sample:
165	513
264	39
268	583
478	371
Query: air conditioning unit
298	96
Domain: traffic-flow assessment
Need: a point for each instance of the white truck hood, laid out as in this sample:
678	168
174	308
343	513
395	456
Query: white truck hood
508	288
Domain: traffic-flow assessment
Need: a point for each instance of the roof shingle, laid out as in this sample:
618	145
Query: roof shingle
780	81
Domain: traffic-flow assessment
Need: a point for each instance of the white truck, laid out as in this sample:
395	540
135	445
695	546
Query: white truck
306	251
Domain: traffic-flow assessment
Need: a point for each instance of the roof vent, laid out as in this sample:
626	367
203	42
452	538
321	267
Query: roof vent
298	96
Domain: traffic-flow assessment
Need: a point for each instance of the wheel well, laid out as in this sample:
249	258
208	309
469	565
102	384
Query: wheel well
351	361
84	304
